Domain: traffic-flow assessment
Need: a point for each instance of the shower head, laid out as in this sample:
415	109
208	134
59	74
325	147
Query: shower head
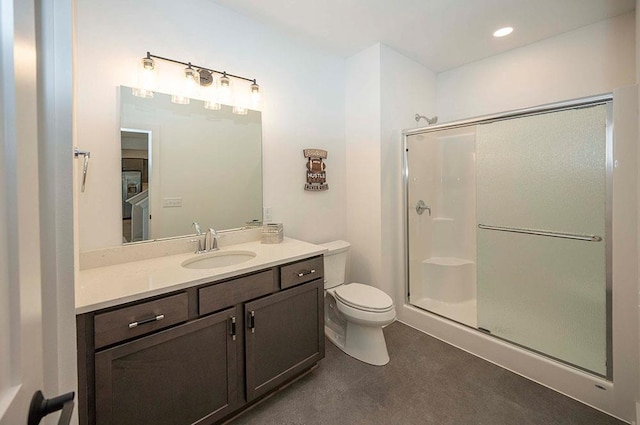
430	121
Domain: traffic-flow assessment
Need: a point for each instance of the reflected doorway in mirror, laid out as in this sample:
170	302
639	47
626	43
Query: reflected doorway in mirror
136	169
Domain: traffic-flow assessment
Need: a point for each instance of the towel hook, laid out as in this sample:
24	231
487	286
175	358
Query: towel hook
86	154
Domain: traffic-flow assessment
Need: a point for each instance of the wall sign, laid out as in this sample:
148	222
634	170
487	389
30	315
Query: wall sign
316	176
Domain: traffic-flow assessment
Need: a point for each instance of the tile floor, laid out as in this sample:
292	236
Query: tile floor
426	382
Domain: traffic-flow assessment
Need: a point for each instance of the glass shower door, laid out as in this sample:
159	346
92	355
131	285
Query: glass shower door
541	238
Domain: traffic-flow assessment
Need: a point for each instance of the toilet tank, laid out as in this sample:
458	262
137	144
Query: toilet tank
335	262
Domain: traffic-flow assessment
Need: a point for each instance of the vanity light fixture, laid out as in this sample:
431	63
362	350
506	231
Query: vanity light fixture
502	32
198	82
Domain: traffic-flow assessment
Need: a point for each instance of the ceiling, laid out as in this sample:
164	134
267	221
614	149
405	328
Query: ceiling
440	34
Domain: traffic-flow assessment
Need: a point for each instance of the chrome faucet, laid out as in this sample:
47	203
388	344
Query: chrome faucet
211	240
200	249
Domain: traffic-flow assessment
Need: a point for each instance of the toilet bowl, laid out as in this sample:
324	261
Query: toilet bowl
354	313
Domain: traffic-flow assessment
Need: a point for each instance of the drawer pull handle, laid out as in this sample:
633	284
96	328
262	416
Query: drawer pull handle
252	321
232	330
145	321
312	271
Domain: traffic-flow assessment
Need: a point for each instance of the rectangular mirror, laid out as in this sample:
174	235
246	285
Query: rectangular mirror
185	163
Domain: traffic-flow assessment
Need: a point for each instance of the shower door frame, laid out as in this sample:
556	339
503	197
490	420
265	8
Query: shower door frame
603	99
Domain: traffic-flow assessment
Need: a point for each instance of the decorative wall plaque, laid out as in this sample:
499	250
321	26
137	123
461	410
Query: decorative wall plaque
316	176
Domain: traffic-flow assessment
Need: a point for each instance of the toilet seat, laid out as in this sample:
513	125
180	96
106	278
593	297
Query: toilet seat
364	297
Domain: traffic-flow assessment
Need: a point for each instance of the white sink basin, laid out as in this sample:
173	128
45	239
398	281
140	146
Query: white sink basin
218	259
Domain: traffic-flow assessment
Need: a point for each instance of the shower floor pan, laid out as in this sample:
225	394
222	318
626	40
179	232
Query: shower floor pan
465	312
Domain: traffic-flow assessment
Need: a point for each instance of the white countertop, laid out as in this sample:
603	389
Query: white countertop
108	286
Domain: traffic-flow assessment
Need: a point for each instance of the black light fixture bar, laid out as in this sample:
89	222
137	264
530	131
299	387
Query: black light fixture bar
149	56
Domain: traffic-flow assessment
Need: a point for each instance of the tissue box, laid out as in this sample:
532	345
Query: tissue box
272	233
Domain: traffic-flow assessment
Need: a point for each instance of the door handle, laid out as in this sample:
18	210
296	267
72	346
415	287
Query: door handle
41	407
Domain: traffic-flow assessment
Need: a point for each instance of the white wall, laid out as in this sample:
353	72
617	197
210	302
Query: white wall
363	159
304	104
383	93
407	88
591	60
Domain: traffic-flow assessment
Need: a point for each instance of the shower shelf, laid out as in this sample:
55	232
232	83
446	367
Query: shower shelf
443	219
447	261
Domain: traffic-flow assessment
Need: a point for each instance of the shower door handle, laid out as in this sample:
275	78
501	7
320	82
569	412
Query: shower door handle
588	238
421	207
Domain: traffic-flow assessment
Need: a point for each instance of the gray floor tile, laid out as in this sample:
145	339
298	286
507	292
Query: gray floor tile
426	382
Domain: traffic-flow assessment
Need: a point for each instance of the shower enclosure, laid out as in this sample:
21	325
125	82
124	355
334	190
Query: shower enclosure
508	228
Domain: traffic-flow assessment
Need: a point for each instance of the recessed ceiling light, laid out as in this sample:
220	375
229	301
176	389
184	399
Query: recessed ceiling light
503	31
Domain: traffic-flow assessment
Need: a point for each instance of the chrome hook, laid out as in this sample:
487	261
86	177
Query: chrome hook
76	153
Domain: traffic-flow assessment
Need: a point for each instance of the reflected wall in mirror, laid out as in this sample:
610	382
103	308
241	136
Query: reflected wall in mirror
185	163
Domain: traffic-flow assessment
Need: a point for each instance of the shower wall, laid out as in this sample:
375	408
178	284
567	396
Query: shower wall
443	243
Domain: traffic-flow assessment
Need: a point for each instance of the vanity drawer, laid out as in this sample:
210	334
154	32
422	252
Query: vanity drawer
140	319
301	272
222	295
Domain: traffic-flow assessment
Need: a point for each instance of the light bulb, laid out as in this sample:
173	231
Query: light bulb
241	99
255	97
146	78
224	91
214	106
189	89
239	110
211	99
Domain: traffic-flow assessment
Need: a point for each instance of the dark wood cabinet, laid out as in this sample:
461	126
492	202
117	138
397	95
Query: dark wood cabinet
283	336
217	349
140	319
183	375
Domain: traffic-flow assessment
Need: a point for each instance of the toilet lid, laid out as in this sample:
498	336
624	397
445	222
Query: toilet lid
364	297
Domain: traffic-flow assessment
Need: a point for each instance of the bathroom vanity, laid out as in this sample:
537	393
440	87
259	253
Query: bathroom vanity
198	345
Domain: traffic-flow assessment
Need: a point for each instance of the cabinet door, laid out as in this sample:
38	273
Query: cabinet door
285	336
184	375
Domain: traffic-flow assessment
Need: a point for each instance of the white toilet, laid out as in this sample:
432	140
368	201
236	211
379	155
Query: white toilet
355	313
